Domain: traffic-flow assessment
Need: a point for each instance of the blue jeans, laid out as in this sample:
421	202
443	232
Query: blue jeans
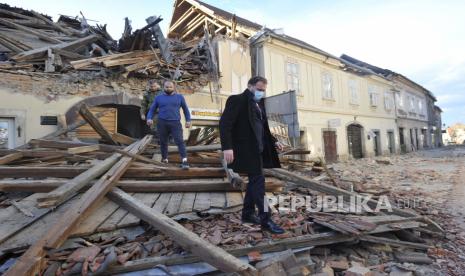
165	128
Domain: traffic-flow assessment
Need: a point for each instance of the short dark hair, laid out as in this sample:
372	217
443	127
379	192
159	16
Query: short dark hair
254	80
151	81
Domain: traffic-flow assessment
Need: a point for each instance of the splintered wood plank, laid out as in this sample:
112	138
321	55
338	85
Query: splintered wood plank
130	219
37	230
32	261
218	200
202	202
173	205
97	125
162	202
190	241
10	157
12	220
90	224
233	199
187	203
112	221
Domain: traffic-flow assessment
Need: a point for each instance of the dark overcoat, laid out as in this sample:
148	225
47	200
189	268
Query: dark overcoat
237	132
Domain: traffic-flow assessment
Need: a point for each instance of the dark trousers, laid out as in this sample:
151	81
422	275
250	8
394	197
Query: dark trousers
173	128
255	197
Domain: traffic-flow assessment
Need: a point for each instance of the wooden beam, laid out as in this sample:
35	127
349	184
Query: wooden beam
181	19
51	23
272	246
84	149
31	153
14	14
59	144
10	157
8	44
39	34
193	28
40	52
68	54
209	253
96	125
214	147
12	39
64	192
148	173
32	261
142	158
163	44
122	139
135	186
396	243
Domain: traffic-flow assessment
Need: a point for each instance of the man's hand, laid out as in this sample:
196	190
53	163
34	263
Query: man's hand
279	146
228	156
149	122
142	117
188	124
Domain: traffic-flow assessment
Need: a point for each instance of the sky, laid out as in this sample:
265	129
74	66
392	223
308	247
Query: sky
421	39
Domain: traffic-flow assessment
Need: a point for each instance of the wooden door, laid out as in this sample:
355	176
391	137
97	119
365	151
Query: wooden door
354	134
391	142
329	140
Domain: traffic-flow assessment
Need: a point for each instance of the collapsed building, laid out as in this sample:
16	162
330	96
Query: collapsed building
71	205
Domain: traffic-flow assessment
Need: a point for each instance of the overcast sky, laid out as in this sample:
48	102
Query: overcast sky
423	40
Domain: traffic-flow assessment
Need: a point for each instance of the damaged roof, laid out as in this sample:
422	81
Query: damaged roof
198	12
383	72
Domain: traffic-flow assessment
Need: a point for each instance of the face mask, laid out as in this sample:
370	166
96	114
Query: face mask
258	95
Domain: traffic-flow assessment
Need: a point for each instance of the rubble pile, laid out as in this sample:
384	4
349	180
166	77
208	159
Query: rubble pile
31	43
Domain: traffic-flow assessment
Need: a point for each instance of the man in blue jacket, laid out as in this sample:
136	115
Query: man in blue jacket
169	120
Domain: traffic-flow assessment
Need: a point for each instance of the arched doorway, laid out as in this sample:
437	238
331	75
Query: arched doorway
354	136
126	116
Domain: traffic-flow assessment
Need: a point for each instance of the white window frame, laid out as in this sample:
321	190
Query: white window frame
388	101
353	91
373	95
411	101
292	76
327	85
399	100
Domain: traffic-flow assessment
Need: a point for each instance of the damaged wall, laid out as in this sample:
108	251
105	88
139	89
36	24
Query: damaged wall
26	98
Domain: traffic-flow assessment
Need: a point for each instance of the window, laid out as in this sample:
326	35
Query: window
411	100
292	72
327	85
420	106
372	92
399	100
388	101
353	91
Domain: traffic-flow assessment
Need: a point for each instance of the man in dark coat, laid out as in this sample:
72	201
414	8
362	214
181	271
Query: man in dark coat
248	147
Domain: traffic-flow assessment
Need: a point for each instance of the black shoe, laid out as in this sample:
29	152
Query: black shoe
250	219
272	227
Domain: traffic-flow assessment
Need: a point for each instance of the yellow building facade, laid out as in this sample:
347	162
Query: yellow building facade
341	113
